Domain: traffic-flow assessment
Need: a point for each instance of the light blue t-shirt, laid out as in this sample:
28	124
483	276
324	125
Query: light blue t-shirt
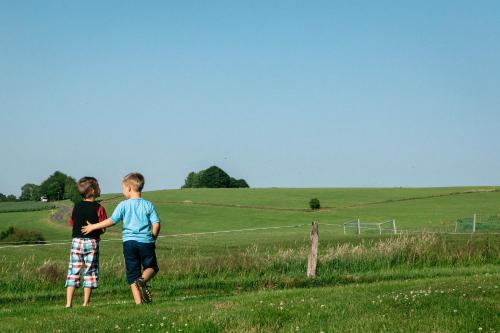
138	215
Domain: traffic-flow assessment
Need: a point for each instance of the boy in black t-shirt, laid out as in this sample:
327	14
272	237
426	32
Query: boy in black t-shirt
85	248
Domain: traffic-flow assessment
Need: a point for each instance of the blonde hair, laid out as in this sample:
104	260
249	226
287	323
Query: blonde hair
135	180
89	187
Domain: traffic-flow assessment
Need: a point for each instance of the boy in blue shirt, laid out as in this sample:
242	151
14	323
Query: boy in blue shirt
141	226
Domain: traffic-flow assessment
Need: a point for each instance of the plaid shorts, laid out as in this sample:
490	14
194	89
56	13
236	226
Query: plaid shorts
84	255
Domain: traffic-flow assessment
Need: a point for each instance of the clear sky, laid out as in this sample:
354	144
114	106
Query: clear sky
281	93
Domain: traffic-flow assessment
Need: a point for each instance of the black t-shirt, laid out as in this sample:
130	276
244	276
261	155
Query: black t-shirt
84	211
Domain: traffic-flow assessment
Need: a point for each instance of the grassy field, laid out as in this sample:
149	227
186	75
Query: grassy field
255	280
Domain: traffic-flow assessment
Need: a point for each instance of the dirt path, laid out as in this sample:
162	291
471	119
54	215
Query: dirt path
60	214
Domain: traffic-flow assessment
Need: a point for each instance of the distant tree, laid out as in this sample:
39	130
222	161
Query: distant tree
238	183
30	192
71	190
314	204
188	183
2	197
197	179
213	177
58	186
241	183
11	197
233	182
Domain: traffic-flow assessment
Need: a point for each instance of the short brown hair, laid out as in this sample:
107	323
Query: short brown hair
134	180
89	187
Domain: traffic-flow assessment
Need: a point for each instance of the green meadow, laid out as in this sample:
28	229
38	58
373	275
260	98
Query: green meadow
234	260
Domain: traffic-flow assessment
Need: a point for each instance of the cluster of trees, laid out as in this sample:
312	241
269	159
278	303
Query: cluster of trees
57	186
7	198
60	186
213	177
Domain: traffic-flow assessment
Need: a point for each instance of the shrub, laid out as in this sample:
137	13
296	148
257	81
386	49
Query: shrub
6	233
22	236
314	204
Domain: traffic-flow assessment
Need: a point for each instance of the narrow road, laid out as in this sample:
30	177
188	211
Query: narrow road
59	215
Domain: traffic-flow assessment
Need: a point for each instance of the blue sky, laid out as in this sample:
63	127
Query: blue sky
281	93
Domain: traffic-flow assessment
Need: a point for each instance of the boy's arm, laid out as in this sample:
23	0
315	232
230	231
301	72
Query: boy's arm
155	230
102	216
155	220
91	227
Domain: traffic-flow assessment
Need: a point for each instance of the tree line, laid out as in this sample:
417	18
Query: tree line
57	186
60	186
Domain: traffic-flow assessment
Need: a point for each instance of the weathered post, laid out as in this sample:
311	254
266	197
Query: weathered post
359	227
394	226
474	224
380	228
313	255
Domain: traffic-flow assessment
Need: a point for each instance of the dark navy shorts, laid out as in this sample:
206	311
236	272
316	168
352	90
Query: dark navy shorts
138	256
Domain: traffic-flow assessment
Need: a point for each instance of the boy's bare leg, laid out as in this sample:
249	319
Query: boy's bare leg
70	291
148	274
86	296
136	293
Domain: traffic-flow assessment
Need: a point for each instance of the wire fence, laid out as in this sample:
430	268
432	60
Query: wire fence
191	234
377	228
478	223
354	224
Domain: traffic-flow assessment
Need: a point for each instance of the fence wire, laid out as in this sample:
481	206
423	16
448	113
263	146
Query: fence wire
62	242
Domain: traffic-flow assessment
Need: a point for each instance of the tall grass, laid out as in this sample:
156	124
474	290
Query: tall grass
253	268
422	250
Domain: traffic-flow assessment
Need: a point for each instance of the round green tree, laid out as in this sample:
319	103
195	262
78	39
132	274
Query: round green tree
314	204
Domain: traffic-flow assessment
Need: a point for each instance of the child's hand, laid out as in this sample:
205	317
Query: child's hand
87	229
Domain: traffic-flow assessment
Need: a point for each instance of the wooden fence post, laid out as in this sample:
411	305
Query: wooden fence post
359	227
474	224
313	255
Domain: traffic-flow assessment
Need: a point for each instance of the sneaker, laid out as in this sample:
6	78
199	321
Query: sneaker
144	290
